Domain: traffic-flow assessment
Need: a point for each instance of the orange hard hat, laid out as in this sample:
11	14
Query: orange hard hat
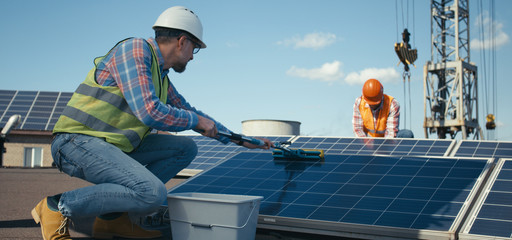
373	91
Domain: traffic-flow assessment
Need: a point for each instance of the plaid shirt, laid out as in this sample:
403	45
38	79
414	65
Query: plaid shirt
391	124
128	67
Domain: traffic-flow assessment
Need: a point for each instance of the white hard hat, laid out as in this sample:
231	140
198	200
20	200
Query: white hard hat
183	19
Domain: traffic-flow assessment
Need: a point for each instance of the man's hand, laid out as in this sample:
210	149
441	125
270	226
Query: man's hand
206	127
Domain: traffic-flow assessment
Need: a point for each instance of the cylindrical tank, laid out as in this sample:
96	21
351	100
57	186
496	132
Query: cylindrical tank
268	127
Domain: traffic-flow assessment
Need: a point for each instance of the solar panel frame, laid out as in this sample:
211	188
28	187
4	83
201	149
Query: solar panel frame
348	229
481	202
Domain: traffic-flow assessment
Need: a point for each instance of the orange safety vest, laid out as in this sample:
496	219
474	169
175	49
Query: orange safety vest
371	128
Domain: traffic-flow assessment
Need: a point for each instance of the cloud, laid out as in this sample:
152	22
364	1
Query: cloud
382	74
311	40
328	72
499	38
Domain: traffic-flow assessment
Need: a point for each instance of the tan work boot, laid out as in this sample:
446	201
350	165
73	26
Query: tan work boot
121	227
53	224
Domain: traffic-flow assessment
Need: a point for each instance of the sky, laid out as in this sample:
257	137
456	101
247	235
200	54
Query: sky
291	60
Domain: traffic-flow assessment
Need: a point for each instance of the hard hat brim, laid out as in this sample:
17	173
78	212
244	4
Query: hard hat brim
370	102
202	44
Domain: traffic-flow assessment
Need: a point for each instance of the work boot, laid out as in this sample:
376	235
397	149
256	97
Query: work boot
121	227
53	224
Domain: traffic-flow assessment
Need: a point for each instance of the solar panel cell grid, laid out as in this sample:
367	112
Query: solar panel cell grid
493	214
470	148
334	145
24	98
404	192
34	107
50	98
7	94
35	126
23	108
211	151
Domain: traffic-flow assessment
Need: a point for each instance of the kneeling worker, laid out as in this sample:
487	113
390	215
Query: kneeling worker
103	135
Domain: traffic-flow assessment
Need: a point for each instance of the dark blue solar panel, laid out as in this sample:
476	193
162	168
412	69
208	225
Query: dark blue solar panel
494	216
394	191
211	151
382	146
471	148
38	110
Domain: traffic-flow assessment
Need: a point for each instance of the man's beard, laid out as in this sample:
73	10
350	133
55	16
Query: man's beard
179	68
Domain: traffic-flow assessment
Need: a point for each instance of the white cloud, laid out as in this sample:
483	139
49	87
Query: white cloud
382	74
328	72
500	37
311	40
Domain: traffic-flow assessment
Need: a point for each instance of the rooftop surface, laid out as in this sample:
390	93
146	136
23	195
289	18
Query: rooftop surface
22	188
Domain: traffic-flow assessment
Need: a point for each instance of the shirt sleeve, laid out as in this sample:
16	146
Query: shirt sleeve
128	67
393	121
357	120
177	100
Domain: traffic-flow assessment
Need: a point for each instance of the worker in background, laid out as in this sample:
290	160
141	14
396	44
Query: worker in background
377	114
103	135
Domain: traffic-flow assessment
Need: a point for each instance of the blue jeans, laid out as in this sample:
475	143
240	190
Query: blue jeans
124	182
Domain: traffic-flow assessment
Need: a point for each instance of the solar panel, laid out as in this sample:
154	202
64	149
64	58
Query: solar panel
474	148
492	216
211	151
39	110
349	195
383	146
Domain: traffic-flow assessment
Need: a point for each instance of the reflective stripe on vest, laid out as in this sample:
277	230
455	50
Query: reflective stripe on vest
103	95
102	111
378	128
98	125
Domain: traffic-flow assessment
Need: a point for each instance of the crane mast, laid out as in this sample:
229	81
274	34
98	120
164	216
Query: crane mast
450	79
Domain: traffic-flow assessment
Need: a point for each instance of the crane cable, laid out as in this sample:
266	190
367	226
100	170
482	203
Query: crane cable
489	73
406	75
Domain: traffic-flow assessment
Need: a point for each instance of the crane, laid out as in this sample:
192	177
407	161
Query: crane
450	79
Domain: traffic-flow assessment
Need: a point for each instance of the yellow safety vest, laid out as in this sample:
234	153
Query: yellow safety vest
378	128
103	112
